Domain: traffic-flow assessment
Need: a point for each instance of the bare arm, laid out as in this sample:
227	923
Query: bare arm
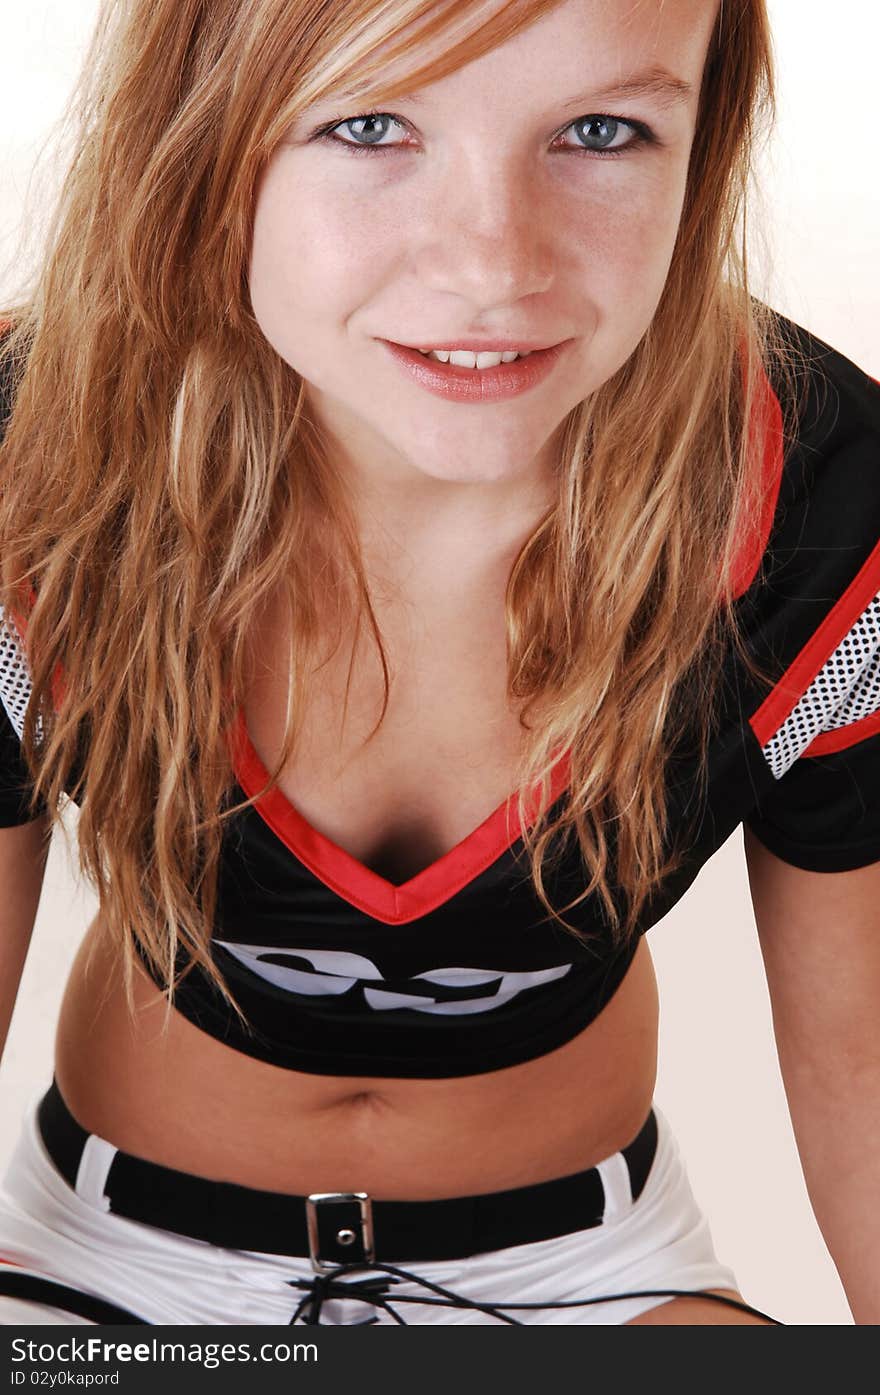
23	853
820	940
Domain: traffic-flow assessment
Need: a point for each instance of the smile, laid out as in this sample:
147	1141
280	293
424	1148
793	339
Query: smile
461	375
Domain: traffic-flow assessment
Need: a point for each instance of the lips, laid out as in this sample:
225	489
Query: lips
484	385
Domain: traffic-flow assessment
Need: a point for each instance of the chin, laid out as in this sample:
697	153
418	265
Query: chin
465	461
478	474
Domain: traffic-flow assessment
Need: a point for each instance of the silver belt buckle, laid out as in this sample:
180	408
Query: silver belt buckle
345	1234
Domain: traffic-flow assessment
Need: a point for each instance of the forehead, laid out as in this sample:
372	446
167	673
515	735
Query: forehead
601	44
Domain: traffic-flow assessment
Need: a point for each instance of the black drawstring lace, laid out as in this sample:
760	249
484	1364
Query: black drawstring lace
324	1286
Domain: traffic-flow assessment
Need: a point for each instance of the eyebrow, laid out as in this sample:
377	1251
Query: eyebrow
656	82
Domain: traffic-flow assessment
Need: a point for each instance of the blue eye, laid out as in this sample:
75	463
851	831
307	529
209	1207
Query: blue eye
605	129
377	125
374	126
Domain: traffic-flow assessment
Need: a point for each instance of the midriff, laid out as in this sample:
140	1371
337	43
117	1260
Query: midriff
444	756
187	1101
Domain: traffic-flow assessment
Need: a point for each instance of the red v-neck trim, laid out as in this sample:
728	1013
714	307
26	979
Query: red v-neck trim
349	878
765	423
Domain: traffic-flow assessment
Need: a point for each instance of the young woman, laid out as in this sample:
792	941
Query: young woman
403	684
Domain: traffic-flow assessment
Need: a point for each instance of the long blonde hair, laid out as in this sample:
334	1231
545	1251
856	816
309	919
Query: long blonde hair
161	477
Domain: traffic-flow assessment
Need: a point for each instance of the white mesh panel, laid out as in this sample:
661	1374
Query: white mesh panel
864	696
15	679
846	689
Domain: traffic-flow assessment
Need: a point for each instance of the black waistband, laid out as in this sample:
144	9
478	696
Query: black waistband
344	1227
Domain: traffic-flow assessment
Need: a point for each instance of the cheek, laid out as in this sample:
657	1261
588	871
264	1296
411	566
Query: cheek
620	255
625	248
635	232
289	266
314	257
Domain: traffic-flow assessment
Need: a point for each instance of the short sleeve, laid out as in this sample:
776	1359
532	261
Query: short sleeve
821	811
818	614
824	813
15	781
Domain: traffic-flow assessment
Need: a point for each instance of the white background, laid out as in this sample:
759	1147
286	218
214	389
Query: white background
719	1079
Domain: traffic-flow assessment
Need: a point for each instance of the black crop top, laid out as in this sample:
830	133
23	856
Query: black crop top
458	971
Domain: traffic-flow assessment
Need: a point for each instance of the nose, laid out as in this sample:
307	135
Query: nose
486	239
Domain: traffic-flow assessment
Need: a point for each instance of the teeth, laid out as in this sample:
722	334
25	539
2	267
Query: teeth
465	358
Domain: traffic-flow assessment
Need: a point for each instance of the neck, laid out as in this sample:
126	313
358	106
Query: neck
463	533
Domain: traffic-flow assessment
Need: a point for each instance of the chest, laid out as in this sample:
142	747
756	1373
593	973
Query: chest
442	760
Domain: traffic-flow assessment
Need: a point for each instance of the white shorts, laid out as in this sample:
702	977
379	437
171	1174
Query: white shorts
660	1241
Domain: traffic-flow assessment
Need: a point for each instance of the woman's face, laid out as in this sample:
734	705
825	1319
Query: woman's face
485	209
